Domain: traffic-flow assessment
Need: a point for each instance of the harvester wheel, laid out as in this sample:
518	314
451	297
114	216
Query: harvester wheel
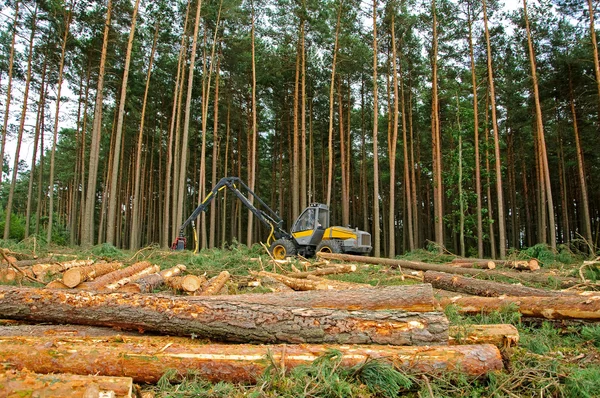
330	246
282	248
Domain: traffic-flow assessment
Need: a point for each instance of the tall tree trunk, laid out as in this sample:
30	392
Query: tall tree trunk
168	208
36	141
11	59
436	138
296	138
87	238
476	139
344	200
540	131
331	103
134	240
56	114
594	47
182	186
112	191
587	226
501	219
215	155
376	227
15	170
83	147
392	146
303	183
253	146
461	198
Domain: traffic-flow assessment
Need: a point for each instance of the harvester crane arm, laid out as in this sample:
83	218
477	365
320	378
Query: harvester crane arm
267	216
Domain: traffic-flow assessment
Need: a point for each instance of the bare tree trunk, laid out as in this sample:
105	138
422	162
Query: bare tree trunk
594	47
56	114
15	170
36	141
87	238
168	208
581	170
476	140
182	186
501	220
252	160
436	138
215	156
392	147
134	241
112	191
303	189
376	227
9	88
331	104
540	131
296	140
344	164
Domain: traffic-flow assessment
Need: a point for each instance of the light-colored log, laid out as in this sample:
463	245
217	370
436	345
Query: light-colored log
148	283
188	283
486	274
500	335
122	282
223	321
74	276
560	307
27	384
146	359
341	269
100	282
56	284
42	269
214	285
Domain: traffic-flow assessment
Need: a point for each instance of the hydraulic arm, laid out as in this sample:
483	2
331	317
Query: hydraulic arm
267	216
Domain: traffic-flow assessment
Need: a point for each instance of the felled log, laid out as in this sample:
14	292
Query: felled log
40	270
27	384
128	279
560	307
467	263
530	265
221	320
310	283
411	298
214	285
27	263
457	283
526	265
56	284
146	359
274	285
501	335
150	282
188	283
341	269
486	274
74	276
338	285
100	282
12	273
8	274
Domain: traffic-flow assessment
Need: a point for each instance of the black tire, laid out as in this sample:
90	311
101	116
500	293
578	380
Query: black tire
282	248
330	246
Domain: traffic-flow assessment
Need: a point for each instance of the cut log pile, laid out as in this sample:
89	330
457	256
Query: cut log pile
93	315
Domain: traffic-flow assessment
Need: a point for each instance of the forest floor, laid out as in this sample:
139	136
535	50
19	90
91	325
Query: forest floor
553	358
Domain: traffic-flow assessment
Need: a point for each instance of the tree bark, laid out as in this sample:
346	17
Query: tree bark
563	307
102	281
75	276
331	105
252	161
456	283
188	283
412	298
87	238
436	140
149	282
11	59
15	170
236	322
420	266
147	358
376	226
214	285
502	335
26	384
341	269
498	165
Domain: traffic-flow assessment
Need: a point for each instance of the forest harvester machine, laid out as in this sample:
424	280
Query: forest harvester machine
310	233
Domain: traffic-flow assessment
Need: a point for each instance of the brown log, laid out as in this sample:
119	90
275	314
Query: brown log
341	269
310	283
502	335
188	283
530	265
214	285
221	320
411	298
146	359
274	285
8	274
561	307
27	263
486	274
99	282
148	283
74	276
42	269
121	282
338	285
27	384
457	283
474	264
56	284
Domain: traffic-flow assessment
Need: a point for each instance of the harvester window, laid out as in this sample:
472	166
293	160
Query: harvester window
323	221
306	221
